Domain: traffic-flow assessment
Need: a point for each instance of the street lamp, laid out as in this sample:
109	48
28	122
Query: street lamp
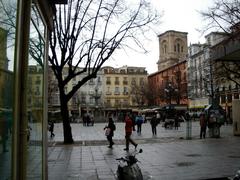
96	96
169	91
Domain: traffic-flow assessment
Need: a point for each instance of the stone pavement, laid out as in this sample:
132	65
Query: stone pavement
165	157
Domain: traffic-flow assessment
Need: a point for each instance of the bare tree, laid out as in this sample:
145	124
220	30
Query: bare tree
86	34
8	21
151	93
138	94
223	15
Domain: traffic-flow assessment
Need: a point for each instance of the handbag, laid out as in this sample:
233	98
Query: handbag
107	131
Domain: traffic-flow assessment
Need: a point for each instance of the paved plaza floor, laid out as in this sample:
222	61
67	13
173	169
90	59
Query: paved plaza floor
168	156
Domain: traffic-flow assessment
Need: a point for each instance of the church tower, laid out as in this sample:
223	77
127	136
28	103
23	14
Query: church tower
172	48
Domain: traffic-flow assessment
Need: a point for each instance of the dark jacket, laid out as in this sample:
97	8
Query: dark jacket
112	126
154	121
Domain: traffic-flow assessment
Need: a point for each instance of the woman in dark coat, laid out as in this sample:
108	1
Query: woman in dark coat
109	131
154	124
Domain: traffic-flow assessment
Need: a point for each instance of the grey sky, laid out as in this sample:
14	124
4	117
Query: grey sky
179	15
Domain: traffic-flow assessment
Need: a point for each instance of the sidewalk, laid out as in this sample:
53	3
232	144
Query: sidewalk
169	156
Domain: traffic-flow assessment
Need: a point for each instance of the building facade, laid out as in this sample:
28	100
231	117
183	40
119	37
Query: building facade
170	82
24	31
202	85
170	85
172	48
225	53
113	90
88	99
207	80
198	76
120	84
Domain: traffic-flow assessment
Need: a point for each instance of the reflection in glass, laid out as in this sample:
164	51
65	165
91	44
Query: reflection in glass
7	42
35	95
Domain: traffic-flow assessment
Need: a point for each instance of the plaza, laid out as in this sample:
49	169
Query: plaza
167	156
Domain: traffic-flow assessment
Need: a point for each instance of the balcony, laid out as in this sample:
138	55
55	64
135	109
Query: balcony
108	93
117	82
116	93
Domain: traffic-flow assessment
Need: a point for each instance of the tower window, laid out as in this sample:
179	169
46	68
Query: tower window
178	47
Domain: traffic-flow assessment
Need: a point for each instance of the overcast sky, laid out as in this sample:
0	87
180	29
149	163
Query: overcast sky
179	15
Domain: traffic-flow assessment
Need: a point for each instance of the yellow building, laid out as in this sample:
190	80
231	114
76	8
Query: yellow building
120	87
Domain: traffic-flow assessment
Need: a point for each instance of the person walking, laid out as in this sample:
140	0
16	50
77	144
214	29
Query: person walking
128	133
109	131
176	121
133	117
85	119
154	123
203	125
139	121
51	128
88	119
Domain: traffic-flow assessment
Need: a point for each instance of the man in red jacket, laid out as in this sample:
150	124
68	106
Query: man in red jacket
128	132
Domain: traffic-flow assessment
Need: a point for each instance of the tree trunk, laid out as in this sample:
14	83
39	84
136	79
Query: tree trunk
67	131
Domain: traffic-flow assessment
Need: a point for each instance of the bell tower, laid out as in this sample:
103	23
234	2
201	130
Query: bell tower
172	48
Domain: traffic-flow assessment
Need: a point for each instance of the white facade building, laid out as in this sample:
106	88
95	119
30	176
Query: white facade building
201	83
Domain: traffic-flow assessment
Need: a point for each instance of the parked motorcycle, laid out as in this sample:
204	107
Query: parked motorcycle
128	168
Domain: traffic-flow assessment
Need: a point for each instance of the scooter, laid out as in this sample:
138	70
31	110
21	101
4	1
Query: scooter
237	175
128	168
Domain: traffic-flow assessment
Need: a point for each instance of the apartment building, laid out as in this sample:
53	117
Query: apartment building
112	91
120	87
207	80
88	99
226	53
198	76
202	85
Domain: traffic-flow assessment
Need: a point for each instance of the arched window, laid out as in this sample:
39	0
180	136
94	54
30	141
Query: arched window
164	47
178	47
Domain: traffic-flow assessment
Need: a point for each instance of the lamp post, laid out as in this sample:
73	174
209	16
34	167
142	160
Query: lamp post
96	96
169	91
